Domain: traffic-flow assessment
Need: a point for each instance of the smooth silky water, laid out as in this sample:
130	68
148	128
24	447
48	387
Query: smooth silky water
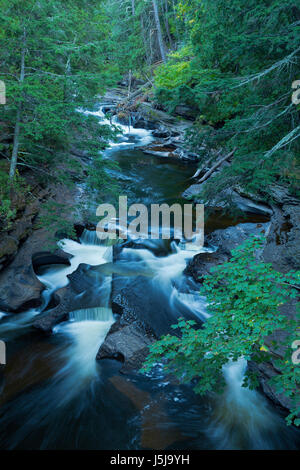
55	395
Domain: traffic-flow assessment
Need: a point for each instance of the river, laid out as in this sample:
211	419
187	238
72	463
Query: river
55	395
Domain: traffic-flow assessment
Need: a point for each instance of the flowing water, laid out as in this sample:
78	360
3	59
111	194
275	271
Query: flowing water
55	395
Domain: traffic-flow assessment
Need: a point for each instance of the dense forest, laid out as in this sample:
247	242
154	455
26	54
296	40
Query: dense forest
232	65
229	73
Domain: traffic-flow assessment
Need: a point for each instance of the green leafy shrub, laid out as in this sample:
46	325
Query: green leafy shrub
244	296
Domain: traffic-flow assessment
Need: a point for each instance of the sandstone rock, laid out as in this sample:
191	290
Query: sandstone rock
20	289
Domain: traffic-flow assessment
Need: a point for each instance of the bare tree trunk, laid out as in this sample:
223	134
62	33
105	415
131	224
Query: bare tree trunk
167	23
129	82
14	155
175	20
144	36
159	33
133	7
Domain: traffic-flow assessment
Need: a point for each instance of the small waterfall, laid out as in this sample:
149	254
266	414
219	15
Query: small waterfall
166	279
242	417
131	136
103	314
87	327
90	237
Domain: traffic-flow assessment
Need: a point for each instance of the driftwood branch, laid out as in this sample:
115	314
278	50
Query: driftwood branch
216	165
199	171
137	92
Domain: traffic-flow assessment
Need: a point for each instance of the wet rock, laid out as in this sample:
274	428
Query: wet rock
8	249
127	341
161	132
140	122
20	289
227	199
265	371
161	118
185	154
202	263
82	292
46	258
160	152
143	318
20	230
224	241
283	246
151	311
63	300
230	238
123	118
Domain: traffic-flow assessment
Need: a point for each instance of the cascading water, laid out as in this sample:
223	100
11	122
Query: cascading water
129	136
243	418
55	394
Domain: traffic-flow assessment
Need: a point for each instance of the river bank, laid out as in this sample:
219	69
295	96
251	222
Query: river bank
78	279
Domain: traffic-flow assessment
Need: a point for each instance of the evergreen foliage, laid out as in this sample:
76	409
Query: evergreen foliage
54	62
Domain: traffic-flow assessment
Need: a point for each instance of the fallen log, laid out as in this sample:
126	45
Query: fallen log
199	171
137	92
215	166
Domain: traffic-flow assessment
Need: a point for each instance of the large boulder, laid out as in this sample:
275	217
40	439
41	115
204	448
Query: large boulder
138	299
128	342
224	241
20	289
200	266
145	314
283	241
230	238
